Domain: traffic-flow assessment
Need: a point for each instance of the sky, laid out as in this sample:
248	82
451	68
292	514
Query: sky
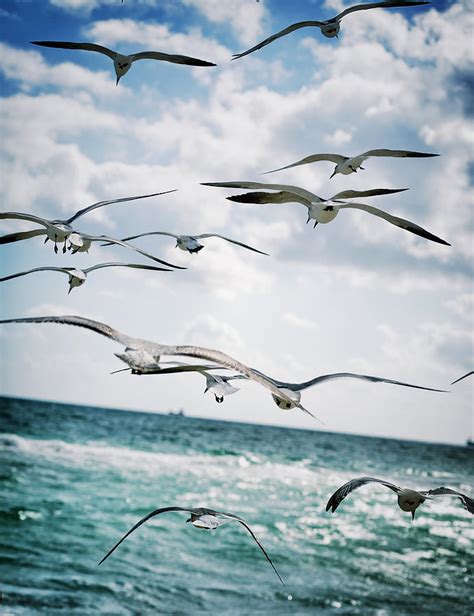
356	295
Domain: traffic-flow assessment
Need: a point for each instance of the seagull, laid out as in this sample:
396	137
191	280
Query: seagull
145	352
59	230
408	500
122	63
463	377
330	27
77	277
293	391
323	210
189	243
350	164
207	519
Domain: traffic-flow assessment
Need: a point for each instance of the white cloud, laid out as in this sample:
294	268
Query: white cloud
299	321
245	17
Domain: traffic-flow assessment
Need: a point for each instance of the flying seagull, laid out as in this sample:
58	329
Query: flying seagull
189	243
408	500
323	210
293	390
81	242
207	519
77	277
350	164
122	63
59	230
330	27
463	377
142	352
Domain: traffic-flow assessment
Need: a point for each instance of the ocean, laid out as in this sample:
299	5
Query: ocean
74	479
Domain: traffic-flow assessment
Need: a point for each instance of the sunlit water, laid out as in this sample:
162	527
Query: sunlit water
75	479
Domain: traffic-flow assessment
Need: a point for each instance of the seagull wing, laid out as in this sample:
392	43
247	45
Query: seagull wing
266	197
462	377
335	158
232	364
23	216
180	368
38	269
348	375
94	206
166	57
236	518
112	240
305	194
142	521
135	265
222	237
398	222
274	37
356	194
467	502
375	5
396	154
341	493
83	46
134	237
95	326
22	235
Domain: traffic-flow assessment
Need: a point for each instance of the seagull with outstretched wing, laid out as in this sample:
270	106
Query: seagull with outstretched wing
351	164
329	27
206	519
145	352
323	210
408	500
123	63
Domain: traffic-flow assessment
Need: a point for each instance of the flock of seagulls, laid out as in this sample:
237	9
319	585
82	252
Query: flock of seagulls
144	357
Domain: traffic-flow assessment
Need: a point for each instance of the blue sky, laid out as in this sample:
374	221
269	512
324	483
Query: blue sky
355	295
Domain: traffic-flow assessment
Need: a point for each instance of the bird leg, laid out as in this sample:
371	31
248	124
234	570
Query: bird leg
315	223
219	399
64	246
55	244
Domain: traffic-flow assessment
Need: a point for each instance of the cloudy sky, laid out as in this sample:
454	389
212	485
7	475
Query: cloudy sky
356	295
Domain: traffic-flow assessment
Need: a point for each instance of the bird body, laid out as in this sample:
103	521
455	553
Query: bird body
122	62
330	27
408	499
203	518
156	350
77	277
190	243
347	165
324	210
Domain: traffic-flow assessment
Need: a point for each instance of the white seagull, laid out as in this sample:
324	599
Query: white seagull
145	352
81	242
122	63
408	500
221	387
330	27
190	243
207	519
59	230
463	377
350	164
77	277
323	210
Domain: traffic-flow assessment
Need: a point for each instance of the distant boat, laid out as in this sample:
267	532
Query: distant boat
469	442
180	413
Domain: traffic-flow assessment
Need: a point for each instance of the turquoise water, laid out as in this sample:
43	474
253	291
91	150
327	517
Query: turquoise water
75	479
